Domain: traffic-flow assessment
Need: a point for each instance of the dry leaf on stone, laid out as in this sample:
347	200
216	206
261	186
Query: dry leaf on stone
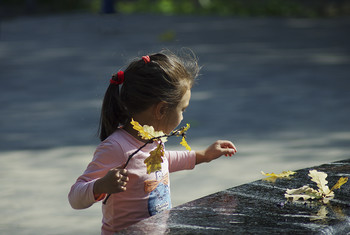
284	174
272	177
323	192
303	193
340	182
320	179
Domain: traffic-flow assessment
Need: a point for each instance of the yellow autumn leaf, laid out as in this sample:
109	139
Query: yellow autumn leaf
184	129
143	134
150	131
136	125
147	132
271	179
284	174
340	182
185	144
153	162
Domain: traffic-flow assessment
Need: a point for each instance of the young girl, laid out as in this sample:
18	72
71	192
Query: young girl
154	90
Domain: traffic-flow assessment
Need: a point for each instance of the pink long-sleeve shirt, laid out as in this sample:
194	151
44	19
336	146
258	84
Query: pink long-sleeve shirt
146	194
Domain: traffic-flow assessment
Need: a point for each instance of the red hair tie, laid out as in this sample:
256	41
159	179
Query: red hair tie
146	58
120	78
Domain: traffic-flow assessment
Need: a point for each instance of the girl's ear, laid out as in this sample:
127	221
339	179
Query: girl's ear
161	110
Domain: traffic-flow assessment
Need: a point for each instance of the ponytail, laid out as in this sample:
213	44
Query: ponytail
113	113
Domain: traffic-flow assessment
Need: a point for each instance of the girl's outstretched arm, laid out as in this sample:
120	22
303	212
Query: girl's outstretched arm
214	151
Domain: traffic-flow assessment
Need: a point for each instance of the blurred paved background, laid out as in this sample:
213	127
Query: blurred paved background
279	88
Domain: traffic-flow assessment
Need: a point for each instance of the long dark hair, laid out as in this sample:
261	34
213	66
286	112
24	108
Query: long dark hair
165	78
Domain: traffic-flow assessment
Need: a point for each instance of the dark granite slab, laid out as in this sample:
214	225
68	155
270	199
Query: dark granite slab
258	208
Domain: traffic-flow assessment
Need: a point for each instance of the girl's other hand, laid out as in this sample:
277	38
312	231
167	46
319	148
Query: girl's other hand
214	151
114	181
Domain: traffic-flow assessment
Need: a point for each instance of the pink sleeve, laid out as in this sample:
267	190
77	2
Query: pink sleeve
107	156
181	160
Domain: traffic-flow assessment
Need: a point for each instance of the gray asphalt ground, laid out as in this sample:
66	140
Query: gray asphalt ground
278	88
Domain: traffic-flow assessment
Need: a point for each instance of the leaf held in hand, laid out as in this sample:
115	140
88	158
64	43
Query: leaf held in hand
183	130
153	162
185	144
147	132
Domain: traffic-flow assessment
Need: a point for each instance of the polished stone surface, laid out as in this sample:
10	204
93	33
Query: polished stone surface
259	208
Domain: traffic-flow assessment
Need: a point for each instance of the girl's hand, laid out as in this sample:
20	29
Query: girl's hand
214	151
114	181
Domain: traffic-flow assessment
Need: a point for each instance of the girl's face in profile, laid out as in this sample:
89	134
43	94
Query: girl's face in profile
175	115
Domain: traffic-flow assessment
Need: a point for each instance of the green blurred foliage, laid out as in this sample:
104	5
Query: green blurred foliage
284	8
